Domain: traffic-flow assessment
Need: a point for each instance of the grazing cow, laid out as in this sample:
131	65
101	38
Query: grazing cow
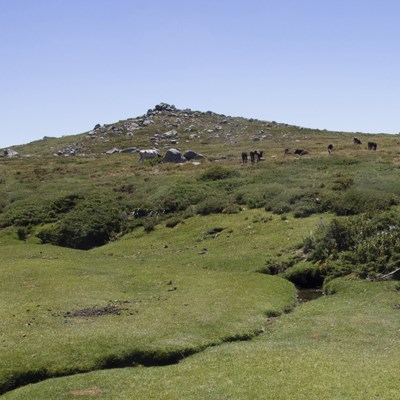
256	155
330	148
300	152
357	141
148	154
244	157
372	146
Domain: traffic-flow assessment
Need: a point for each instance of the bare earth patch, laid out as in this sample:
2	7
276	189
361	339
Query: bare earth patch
94	311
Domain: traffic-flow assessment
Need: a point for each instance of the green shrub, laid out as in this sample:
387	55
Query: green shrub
90	224
37	211
365	245
218	172
277	265
180	197
304	274
211	205
150	223
22	233
358	201
172	222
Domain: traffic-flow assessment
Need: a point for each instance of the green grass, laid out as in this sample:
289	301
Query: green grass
343	346
168	306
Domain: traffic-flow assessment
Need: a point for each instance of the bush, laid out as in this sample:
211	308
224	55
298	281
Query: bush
180	197
364	245
211	205
150	223
356	201
218	172
275	266
172	222
305	275
37	212
90	224
22	233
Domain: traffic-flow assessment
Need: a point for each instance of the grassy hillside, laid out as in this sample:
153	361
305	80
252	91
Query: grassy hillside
109	262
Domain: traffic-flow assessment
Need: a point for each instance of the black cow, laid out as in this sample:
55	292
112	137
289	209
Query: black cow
244	157
357	141
330	148
259	155
372	146
300	152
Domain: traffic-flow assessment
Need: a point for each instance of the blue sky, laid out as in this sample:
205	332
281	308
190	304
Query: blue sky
67	65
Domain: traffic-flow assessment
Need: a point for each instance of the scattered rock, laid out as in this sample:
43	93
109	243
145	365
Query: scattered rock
113	151
174	156
129	150
10	153
192	155
169	134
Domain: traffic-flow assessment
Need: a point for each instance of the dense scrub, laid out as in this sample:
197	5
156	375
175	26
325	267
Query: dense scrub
366	245
88	218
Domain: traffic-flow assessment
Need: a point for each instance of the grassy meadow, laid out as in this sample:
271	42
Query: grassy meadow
341	346
122	279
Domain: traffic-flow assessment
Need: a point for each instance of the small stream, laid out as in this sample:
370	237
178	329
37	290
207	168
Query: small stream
308	294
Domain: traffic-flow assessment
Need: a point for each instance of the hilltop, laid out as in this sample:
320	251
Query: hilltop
166	126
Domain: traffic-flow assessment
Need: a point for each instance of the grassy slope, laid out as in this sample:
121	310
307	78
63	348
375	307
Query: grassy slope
343	346
39	284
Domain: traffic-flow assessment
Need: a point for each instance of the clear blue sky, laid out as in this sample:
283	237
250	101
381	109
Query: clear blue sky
66	65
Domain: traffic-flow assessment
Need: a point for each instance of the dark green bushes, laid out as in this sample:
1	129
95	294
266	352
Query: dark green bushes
365	245
212	205
180	197
37	211
358	201
91	223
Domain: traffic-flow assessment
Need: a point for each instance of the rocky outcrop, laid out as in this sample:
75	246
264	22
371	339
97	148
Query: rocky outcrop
174	156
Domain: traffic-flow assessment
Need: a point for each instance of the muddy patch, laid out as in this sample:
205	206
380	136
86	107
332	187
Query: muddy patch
94	311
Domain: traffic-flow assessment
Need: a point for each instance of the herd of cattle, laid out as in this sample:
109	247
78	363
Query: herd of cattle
371	145
257	155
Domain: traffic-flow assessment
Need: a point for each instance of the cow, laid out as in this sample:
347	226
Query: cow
357	141
287	151
300	152
372	146
149	154
330	148
256	155
244	157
